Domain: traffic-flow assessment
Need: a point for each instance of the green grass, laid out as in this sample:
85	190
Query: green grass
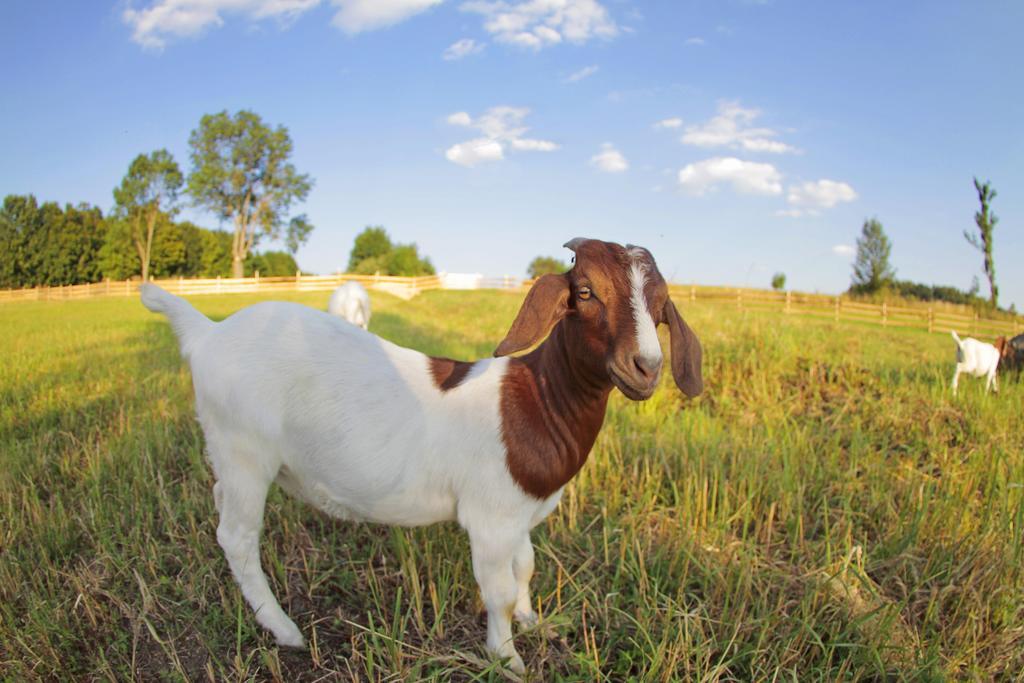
825	511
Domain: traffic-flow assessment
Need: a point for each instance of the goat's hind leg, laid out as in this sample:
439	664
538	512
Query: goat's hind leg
240	496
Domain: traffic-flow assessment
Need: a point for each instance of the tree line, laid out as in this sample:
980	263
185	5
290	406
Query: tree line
45	244
240	172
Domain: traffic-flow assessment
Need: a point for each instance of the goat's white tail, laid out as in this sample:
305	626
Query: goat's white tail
188	323
956	338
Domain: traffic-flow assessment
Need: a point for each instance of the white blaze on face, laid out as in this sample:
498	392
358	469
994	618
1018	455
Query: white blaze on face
648	347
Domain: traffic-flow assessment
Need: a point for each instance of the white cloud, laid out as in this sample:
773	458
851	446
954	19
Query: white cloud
473	152
460	118
536	24
582	73
746	177
502	129
164	20
844	250
821	194
696	40
609	159
461	48
674	122
732	128
356	16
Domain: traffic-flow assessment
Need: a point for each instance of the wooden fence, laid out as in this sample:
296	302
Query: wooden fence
927	316
936	317
405	287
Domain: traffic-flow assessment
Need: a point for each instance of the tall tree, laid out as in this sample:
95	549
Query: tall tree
240	172
871	269
545	265
148	190
372	244
986	222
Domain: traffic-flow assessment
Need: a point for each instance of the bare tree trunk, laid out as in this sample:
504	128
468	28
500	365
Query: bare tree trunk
140	247
238	251
149	245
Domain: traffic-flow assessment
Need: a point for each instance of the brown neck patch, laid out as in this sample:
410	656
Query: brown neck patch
448	373
551	412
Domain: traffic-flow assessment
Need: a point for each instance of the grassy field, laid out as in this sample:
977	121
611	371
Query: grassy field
825	511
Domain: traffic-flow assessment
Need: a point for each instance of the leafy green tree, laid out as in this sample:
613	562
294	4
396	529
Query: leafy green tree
148	190
117	257
374	252
216	261
986	222
546	265
779	282
372	243
79	238
271	264
169	251
871	269
47	245
405	260
241	173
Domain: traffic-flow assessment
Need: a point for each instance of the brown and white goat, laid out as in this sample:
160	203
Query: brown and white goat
363	429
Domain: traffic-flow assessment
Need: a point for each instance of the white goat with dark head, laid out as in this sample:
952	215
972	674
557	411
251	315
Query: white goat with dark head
363	429
976	358
351	302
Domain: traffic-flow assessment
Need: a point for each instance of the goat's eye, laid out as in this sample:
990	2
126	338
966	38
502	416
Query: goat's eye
584	293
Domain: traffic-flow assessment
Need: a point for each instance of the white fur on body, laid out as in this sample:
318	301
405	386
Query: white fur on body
976	358
355	426
351	302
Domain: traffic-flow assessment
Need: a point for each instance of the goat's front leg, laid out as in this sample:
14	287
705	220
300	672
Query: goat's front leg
493	553
522	568
956	379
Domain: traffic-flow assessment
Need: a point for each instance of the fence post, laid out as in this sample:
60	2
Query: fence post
108	285
693	293
838	304
257	274
127	287
789	300
974	323
218	284
931	320
885	314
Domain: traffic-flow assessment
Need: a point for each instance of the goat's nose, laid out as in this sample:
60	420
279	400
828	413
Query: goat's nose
647	366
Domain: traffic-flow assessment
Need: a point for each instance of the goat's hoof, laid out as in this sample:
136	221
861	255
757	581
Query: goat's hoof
515	664
526	619
292	638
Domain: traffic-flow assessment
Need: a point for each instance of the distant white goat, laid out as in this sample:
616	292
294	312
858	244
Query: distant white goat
976	358
351	302
366	430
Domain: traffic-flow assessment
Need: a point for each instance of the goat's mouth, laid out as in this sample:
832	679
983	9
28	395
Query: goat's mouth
631	388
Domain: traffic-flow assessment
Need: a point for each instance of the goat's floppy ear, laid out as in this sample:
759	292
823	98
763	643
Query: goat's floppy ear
686	352
545	305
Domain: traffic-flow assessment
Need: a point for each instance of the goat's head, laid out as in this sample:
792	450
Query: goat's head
611	300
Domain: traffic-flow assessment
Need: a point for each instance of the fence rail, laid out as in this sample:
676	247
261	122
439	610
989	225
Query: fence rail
937	317
934	317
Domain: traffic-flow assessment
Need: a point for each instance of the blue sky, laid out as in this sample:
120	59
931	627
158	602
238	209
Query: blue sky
733	138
